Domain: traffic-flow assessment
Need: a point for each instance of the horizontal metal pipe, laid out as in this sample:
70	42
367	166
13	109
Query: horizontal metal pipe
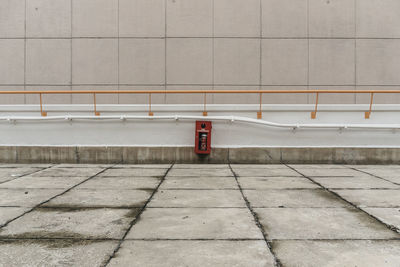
210	118
205	92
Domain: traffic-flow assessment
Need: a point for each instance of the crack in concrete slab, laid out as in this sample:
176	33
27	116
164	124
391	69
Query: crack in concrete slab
277	262
137	218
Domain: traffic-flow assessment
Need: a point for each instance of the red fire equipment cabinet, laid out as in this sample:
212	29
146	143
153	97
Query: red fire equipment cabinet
203	137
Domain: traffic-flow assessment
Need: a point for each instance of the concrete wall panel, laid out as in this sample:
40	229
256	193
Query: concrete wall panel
48	61
12	61
237	18
189	61
142	61
48	18
12	18
237	61
284	62
190	18
95	61
378	62
284	18
95	18
142	18
333	18
378	18
332	62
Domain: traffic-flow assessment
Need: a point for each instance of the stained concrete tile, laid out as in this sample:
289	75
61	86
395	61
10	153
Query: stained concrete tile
338	253
193	253
332	223
101	198
329	172
198	198
67	223
20	165
276	183
265	172
55	252
26	197
122	183
354	182
67	172
293	198
133	172
372	198
208	223
43	182
204	172
199	183
258	166
9	213
390	216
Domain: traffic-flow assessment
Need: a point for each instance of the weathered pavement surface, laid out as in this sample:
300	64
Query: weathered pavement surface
199	215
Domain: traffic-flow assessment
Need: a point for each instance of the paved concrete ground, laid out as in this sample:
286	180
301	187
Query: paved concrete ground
199	215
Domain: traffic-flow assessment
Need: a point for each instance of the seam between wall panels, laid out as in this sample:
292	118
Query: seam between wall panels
72	49
355	50
308	49
25	7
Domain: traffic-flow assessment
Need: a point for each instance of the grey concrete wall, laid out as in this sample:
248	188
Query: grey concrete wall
199	44
157	155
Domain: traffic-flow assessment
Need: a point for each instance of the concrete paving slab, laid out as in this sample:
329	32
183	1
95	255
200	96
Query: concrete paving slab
390	216
199	183
133	172
11	173
122	183
330	172
321	223
387	167
198	198
70	223
82	166
142	166
372	198
265	172
26	197
293	198
55	252
193	253
318	166
276	183
338	253
16	165
393	179
201	166
9	213
258	166
200	172
193	223
43	182
67	172
101	198
354	182
6	179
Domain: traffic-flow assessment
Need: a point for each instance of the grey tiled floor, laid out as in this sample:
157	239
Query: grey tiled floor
199	215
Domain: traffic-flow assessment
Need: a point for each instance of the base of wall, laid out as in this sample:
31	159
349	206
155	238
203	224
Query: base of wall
155	155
